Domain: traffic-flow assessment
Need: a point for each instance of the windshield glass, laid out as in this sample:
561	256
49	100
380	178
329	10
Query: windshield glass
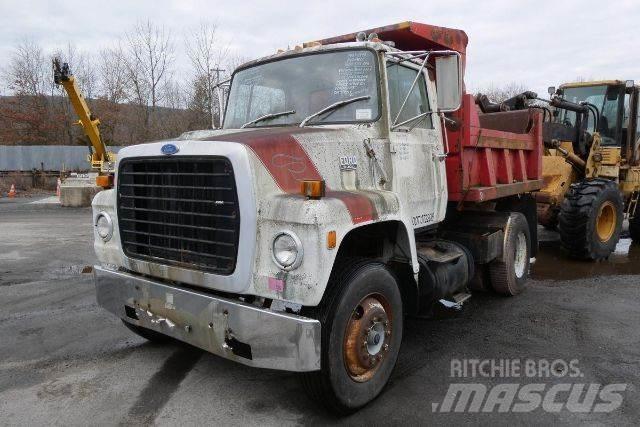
305	85
606	99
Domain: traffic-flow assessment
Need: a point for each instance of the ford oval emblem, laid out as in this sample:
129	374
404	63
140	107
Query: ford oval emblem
169	149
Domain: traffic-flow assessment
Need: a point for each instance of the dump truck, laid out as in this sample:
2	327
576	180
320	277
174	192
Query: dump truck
591	166
353	183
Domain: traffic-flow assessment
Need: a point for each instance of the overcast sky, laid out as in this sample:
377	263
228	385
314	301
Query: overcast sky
535	43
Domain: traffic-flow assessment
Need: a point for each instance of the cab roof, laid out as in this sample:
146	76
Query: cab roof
595	83
410	35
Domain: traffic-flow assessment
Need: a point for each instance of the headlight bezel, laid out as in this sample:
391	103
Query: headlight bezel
298	245
107	217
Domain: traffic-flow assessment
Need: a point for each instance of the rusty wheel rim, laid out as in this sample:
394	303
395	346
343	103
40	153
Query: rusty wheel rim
606	221
367	337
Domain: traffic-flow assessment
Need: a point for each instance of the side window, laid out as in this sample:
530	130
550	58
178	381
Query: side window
627	111
400	79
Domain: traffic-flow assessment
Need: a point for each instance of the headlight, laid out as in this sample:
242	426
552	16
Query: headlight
104	226
287	250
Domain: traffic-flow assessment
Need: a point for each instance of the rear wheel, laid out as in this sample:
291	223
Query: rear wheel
361	319
509	274
590	219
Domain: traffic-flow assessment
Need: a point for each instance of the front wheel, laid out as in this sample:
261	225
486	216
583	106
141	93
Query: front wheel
361	319
591	219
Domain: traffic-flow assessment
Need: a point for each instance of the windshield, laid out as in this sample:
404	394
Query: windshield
606	99
286	91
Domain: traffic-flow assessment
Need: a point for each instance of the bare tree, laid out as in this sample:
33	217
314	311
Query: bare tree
234	61
27	70
207	54
199	102
113	77
502	93
81	64
148	59
173	95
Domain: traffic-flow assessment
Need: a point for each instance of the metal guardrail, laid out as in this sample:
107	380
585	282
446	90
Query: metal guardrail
45	157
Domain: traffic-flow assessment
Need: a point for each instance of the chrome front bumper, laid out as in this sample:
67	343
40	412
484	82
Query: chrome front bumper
242	332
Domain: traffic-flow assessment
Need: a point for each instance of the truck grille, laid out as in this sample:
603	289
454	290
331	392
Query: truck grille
180	211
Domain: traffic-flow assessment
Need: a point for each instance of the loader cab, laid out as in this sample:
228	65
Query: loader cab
616	103
631	124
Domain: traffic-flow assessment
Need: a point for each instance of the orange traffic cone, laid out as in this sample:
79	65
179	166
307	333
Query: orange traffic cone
12	192
58	188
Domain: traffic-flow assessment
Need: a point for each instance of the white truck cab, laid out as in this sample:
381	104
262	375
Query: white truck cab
296	237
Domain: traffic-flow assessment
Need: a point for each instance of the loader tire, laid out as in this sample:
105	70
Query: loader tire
590	219
148	334
361	317
634	227
510	273
551	222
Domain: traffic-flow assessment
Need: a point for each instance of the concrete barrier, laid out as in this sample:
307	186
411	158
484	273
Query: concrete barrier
78	192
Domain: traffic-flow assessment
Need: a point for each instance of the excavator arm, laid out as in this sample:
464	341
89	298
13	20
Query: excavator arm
101	159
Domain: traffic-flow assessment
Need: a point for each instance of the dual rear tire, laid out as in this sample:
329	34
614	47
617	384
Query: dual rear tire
510	273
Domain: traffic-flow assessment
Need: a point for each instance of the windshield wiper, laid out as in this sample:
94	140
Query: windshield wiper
268	116
332	107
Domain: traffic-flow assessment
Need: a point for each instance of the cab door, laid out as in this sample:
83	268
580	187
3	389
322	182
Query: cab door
416	146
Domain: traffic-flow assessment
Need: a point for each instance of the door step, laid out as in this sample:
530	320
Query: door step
456	301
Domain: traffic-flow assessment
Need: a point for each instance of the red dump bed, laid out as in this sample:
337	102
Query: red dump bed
490	155
493	155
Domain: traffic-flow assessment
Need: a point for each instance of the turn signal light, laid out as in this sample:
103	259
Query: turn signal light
312	189
104	181
331	239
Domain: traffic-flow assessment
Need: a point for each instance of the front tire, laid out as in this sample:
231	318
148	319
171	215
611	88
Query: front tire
590	219
362	320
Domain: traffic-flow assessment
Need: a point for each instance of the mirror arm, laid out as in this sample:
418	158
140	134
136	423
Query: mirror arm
406	98
444	131
414	118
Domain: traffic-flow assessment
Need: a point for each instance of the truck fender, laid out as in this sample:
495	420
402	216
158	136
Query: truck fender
389	241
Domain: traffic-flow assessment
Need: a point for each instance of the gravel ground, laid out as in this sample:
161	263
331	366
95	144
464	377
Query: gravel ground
63	360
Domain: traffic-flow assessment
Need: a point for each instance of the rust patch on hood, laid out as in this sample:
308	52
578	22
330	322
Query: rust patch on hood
289	164
280	153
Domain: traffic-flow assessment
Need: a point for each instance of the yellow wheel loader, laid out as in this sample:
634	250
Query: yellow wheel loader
591	166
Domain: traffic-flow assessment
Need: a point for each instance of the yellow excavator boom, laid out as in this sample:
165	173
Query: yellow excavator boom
101	159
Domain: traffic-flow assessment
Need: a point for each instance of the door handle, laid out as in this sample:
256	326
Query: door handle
440	156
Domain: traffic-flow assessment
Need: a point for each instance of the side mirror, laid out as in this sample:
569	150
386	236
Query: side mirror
449	82
551	90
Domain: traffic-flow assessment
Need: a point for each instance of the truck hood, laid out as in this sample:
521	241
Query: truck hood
279	150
